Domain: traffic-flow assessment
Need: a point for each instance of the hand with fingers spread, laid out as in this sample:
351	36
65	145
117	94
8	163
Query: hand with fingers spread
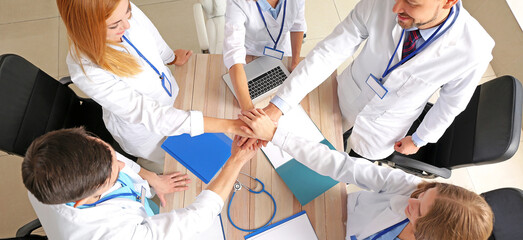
164	184
260	124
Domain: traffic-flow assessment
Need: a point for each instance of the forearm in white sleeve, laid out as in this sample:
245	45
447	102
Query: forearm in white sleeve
299	23
454	97
182	223
328	54
234	43
129	105
344	168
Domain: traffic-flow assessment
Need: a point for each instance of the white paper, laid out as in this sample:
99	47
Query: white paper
299	228
299	123
214	232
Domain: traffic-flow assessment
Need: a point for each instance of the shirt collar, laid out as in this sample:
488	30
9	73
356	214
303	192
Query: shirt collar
265	6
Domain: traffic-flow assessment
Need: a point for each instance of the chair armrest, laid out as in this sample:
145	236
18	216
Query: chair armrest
412	164
65	80
201	31
27	229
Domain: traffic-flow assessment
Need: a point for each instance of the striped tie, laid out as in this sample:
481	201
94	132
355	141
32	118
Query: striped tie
409	46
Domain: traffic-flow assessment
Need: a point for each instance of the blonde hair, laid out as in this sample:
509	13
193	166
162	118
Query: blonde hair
87	31
457	214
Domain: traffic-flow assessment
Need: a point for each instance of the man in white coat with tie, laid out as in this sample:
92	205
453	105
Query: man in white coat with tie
413	48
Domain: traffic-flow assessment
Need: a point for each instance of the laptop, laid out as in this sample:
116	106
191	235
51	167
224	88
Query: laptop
264	76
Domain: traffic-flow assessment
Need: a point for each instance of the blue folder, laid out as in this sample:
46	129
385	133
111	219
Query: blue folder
203	155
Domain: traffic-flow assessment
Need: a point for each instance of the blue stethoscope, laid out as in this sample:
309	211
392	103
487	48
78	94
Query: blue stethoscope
160	75
431	39
237	186
282	22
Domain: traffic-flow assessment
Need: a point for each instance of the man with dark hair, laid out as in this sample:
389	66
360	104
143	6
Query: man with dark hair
81	188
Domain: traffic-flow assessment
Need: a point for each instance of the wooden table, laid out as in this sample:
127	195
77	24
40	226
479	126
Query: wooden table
202	88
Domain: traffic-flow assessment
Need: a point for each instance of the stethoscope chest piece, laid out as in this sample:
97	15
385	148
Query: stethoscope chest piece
236	187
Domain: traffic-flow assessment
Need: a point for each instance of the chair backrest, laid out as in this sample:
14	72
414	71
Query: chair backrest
33	103
487	131
209	17
507	205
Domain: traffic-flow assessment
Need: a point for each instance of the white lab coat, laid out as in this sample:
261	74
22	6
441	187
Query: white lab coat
245	33
136	110
368	212
122	218
455	63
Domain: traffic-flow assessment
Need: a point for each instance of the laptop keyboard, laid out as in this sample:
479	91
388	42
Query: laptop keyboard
266	82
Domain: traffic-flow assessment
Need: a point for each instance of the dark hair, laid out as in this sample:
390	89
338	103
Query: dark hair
66	165
457	213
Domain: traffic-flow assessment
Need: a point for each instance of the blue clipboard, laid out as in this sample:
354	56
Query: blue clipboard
204	155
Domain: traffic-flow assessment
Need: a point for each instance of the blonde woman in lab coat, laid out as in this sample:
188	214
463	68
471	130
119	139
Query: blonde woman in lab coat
393	205
118	58
251	27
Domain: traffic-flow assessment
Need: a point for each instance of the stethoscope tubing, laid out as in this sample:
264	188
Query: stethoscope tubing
255	192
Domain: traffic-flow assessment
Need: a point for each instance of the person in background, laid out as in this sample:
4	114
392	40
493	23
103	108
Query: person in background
257	28
394	205
118	58
80	188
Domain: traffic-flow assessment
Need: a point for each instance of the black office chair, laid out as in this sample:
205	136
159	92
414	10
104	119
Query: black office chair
32	103
507	205
487	131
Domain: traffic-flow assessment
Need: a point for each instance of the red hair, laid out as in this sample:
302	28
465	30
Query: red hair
87	31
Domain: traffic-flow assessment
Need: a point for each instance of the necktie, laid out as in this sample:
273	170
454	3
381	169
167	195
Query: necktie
410	45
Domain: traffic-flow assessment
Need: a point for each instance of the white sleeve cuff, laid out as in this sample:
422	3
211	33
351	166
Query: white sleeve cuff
417	140
230	61
169	56
208	195
196	123
279	138
281	104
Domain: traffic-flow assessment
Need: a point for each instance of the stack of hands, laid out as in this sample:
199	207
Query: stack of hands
259	126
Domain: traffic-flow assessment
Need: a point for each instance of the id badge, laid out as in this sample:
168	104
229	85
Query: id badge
143	192
376	86
166	84
272	52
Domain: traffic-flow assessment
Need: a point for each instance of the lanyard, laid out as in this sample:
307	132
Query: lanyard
282	22
118	195
431	39
389	229
161	75
237	186
142	56
126	191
